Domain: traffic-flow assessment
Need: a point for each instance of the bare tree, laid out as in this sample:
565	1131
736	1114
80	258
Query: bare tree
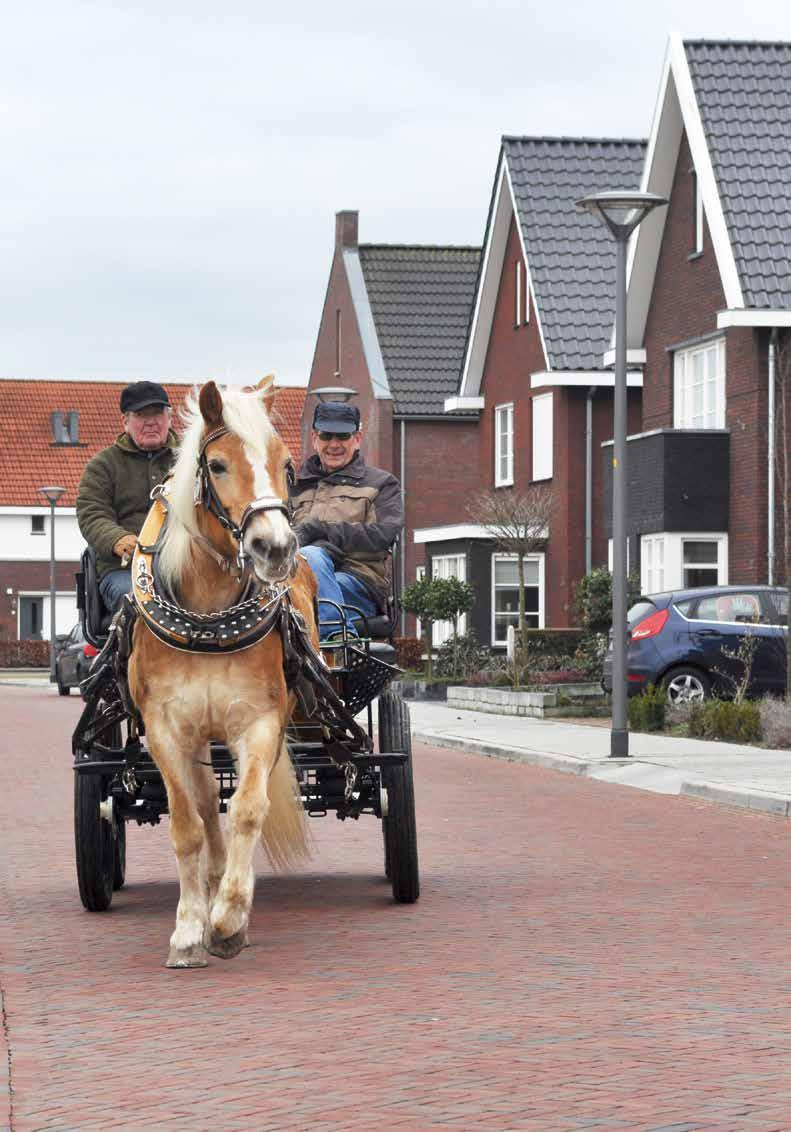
517	522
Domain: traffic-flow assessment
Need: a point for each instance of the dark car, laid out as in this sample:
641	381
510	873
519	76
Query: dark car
685	640
73	659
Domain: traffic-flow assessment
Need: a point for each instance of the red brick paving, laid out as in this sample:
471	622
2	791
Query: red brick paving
583	956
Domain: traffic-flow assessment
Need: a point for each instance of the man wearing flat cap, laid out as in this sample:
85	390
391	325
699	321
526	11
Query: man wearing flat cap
114	493
347	515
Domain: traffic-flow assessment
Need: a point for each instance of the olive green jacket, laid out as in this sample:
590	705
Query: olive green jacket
114	494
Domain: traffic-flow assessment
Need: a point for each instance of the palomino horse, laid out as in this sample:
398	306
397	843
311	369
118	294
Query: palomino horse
227	527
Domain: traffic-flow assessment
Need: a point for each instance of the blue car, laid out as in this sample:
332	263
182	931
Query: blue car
685	640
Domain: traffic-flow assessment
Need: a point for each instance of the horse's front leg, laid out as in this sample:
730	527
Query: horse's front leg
207	801
187	836
256	751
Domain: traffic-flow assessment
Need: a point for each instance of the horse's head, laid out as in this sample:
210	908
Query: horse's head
243	470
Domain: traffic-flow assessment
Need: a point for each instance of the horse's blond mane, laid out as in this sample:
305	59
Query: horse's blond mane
245	415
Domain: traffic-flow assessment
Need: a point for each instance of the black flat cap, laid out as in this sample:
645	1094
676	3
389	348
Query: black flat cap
336	416
140	394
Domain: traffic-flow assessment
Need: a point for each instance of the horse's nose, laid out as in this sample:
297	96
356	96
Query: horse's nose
274	553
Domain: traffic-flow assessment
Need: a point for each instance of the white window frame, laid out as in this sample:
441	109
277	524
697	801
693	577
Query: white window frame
611	558
543	436
518	293
504	462
672	554
684	415
442	631
499	557
698	206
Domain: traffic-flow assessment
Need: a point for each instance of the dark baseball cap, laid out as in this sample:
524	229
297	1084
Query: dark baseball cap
140	394
336	416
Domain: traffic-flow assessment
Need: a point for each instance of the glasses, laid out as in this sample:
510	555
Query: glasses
344	436
149	411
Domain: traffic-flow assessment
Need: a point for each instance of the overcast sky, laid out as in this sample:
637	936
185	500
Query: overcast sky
169	171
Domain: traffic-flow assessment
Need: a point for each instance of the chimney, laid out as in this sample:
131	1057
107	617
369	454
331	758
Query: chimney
346	229
74	427
58	428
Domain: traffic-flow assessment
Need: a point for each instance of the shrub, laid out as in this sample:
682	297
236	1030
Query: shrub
409	653
647	711
775	722
726	719
558	676
590	653
24	654
459	658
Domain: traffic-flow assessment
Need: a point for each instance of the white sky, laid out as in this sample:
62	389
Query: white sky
170	170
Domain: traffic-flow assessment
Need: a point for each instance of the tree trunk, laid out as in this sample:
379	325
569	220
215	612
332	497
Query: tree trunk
520	558
428	632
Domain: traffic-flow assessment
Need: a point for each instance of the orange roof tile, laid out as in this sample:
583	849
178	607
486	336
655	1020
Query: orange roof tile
29	459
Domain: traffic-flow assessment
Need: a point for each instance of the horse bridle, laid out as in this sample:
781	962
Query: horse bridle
205	494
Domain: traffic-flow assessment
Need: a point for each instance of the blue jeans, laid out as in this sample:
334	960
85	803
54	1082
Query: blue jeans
113	585
340	587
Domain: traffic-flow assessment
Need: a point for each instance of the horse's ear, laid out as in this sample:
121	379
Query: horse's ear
266	391
210	404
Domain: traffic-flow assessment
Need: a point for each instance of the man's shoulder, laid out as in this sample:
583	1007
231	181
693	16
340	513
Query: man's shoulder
376	477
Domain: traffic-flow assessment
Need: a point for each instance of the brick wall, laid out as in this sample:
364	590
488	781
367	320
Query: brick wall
29	577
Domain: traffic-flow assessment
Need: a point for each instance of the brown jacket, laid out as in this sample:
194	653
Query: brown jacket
355	514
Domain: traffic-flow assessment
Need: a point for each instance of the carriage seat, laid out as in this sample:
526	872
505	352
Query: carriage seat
95	618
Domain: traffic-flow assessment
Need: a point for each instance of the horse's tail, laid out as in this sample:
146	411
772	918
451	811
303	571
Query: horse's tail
285	835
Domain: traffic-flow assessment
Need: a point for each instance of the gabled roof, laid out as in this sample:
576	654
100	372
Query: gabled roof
743	92
569	256
420	298
29	459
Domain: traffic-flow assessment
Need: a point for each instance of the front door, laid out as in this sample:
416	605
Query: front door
31	618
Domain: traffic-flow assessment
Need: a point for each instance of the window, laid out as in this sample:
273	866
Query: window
673	561
448	566
542	437
503	445
730	609
505	594
697	204
699	386
518	293
37	524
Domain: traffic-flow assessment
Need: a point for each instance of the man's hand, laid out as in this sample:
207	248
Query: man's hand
125	548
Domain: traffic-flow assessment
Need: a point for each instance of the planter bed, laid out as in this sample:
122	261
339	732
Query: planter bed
561	700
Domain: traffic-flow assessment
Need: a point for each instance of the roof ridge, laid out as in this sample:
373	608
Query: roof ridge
737	42
562	139
426	247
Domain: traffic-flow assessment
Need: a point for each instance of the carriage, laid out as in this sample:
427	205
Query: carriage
343	766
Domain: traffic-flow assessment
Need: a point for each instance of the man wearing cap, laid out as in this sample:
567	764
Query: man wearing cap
114	493
347	515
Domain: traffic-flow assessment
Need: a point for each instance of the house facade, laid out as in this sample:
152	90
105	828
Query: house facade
709	304
393	329
50	430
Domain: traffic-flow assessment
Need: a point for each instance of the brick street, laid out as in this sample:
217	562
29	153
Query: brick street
582	956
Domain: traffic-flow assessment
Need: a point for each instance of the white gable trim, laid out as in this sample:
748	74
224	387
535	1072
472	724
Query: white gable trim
768	319
366	325
503	209
676	109
633	358
452	403
450	533
583	378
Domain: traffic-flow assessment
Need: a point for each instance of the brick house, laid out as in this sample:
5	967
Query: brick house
393	328
50	430
709	305
535	373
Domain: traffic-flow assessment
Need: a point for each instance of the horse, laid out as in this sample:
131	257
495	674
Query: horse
227	534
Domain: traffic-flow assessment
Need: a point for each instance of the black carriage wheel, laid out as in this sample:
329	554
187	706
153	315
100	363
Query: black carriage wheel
399	827
94	843
119	858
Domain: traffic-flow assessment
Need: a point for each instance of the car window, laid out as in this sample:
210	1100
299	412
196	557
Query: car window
730	608
74	635
639	611
780	600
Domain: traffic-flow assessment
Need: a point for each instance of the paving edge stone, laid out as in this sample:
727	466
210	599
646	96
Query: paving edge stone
746	799
566	763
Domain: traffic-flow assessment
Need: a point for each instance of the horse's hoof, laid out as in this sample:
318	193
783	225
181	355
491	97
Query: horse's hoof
183	957
227	948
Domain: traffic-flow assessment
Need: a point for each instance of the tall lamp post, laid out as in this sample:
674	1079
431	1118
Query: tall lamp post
53	494
621	212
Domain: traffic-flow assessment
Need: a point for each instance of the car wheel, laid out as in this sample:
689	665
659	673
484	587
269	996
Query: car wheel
686	686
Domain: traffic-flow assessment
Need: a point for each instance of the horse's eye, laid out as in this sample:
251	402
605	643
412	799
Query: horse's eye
216	467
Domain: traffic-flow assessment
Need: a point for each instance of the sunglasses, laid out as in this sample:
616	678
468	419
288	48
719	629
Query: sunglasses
335	436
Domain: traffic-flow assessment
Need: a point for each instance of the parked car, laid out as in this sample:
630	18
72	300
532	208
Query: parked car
73	658
685	640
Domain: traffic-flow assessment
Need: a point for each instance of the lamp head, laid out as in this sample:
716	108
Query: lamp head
621	210
333	393
53	494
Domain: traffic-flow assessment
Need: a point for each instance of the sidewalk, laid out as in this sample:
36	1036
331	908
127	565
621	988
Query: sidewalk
729	773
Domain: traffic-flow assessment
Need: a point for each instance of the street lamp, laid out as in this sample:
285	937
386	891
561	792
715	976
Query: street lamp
53	494
621	212
333	393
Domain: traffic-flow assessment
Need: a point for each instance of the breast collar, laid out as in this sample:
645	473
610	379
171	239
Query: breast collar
228	630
